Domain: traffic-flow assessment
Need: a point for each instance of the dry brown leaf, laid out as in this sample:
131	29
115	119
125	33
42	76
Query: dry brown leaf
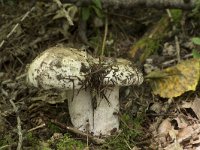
165	127
174	146
185	133
181	121
195	107
177	80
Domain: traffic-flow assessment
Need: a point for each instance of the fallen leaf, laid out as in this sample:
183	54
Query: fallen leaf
156	107
181	121
195	107
185	133
174	146
165	127
177	79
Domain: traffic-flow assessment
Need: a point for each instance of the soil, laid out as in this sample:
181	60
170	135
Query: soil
28	28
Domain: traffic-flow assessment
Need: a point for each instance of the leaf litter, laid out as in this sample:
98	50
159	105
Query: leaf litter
49	25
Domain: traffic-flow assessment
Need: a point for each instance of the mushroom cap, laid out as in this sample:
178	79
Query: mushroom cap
122	73
59	67
66	68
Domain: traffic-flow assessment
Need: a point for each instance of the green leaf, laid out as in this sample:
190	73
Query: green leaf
97	11
157	75
85	13
196	40
195	53
97	3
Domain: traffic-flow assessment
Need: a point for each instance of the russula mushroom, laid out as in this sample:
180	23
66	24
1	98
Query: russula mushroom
71	69
120	73
65	68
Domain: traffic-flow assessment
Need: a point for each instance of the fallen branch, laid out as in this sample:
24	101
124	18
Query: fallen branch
78	132
160	4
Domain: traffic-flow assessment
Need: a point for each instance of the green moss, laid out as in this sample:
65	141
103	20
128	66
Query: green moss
152	45
68	143
131	129
150	42
7	140
176	15
196	10
32	139
53	128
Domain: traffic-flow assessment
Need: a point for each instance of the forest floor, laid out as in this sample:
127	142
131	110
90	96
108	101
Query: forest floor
150	118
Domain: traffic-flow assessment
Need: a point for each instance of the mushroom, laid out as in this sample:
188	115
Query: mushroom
120	73
93	108
65	68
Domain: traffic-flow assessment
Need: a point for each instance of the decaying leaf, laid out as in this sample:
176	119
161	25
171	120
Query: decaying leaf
165	127
68	11
174	146
194	105
177	79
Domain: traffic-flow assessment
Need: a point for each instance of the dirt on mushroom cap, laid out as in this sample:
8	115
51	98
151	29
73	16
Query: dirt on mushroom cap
58	67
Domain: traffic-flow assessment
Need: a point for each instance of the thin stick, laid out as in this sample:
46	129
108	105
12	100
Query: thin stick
170	62
19	128
37	127
4	147
127	144
176	37
16	79
105	35
76	131
177	48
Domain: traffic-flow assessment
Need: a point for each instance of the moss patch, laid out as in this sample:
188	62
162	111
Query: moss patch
131	129
68	143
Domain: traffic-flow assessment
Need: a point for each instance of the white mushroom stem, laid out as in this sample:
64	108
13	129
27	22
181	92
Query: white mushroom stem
106	114
80	109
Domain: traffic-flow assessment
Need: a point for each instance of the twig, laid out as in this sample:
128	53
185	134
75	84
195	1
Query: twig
4	147
177	48
167	63
176	37
16	79
104	37
16	26
19	128
162	114
76	131
127	144
37	127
